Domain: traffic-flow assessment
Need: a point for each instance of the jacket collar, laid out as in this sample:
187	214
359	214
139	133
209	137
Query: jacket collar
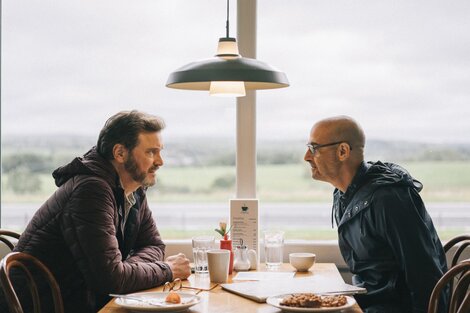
355	184
342	199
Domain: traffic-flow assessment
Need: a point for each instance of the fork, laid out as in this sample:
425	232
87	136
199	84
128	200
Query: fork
127	297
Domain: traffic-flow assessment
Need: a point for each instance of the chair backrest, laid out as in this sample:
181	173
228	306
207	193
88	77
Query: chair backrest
4	234
461	242
460	296
28	264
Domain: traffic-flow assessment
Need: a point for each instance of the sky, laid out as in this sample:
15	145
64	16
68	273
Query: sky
400	68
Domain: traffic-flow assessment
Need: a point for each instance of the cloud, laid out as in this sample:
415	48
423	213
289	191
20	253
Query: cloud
401	68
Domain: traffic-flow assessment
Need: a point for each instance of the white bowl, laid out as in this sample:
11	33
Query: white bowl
302	261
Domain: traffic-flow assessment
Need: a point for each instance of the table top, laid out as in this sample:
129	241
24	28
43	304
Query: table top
219	300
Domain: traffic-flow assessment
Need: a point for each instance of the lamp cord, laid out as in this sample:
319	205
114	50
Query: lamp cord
227	23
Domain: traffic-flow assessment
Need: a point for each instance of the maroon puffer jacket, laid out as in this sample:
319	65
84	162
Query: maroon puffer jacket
77	234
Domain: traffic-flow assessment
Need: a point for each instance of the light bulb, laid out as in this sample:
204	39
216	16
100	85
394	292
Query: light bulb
227	89
227	48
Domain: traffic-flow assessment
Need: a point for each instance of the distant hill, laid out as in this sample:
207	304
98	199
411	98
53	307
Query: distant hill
221	151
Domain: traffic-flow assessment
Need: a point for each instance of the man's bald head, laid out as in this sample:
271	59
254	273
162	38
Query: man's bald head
341	128
339	151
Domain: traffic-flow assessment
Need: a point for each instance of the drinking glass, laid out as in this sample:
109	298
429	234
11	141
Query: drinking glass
273	244
201	244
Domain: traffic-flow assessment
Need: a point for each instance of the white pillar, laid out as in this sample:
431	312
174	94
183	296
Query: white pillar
246	106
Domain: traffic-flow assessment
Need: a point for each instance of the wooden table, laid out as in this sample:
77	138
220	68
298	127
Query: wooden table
219	300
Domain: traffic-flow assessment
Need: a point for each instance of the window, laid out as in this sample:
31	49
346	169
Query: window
401	69
67	67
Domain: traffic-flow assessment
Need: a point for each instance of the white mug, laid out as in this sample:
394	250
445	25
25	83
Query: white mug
218	261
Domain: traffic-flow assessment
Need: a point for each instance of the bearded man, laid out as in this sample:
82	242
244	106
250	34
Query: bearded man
96	233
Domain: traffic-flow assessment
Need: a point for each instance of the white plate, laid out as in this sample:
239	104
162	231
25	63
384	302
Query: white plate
276	300
187	300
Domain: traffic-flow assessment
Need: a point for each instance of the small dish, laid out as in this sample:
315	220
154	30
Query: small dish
155	302
302	262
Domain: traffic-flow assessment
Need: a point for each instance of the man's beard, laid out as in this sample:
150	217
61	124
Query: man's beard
139	176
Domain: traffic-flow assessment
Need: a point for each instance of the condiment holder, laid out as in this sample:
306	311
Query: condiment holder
241	261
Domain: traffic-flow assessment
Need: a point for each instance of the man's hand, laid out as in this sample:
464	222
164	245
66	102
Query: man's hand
179	265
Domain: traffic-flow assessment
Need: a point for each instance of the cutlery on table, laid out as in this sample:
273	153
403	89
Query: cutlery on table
146	301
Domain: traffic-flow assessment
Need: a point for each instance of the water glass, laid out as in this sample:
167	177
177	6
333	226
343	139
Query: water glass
273	244
201	244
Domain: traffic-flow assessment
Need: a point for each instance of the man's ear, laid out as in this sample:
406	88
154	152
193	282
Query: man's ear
120	153
344	151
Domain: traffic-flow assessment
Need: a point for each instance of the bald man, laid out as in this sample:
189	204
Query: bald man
385	234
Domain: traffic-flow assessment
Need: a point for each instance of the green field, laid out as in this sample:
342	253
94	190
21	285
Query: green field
443	182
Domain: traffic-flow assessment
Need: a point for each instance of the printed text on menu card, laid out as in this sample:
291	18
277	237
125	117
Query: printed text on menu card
244	218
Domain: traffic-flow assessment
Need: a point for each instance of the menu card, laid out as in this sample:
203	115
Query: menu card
244	219
260	290
263	275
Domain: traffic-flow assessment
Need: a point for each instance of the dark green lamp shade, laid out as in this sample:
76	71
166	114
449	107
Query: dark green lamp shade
199	75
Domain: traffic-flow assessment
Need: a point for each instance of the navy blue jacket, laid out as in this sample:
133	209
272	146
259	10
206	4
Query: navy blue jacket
388	240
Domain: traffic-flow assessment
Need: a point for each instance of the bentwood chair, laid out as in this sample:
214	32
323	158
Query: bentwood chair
454	250
460	295
27	264
4	237
461	242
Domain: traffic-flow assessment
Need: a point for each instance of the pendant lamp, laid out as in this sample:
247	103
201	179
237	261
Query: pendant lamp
227	73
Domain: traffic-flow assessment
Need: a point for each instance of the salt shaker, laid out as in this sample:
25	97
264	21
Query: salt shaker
241	262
